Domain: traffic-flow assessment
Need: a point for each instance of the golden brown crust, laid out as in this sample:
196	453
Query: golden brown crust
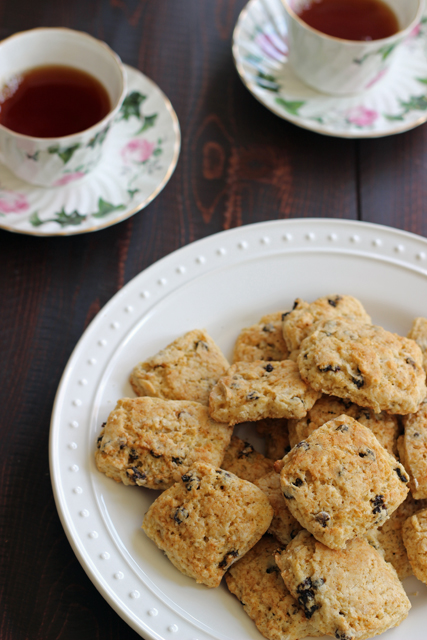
340	482
186	369
414	533
418	333
299	323
241	459
413	451
350	593
390	539
151	442
365	364
262	341
283	526
206	521
384	426
256	581
254	390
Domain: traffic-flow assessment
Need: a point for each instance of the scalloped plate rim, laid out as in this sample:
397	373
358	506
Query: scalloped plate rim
408	246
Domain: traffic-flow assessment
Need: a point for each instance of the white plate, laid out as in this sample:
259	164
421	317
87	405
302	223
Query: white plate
141	152
224	282
395	103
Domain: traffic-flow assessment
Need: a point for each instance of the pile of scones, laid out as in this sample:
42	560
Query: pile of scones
315	536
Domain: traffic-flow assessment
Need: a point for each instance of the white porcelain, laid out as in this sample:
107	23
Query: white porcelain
140	155
394	102
45	161
342	67
224	282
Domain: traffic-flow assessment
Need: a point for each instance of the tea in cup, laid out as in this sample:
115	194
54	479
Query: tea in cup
60	91
344	46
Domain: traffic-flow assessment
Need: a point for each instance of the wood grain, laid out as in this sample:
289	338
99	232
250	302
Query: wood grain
393	176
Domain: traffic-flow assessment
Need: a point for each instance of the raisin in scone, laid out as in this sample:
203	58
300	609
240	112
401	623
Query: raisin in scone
150	442
254	390
340	482
413	451
241	459
364	363
261	341
414	533
187	369
389	536
298	323
257	583
351	594
383	425
418	333
283	526
207	521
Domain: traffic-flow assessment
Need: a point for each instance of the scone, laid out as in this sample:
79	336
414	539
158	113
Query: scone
418	333
389	536
364	363
186	369
256	581
207	521
383	425
283	526
413	451
151	442
254	390
241	459
340	482
414	533
351	594
262	341
275	432
298	323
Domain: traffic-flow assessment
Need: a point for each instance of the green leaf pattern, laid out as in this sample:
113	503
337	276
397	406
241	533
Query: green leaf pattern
415	103
149	121
74	218
99	137
104	208
64	219
291	106
131	108
65	153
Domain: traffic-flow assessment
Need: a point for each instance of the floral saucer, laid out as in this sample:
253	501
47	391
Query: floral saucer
141	152
394	103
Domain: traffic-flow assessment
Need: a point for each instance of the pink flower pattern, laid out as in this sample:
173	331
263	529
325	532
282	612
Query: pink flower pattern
415	31
377	78
361	116
69	177
272	46
137	150
12	202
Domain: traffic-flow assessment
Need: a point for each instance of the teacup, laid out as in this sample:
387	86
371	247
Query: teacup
55	161
341	67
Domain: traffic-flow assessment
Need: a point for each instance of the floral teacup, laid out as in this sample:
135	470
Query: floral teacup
51	162
339	67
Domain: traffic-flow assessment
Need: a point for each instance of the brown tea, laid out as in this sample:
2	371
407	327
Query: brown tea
351	19
53	101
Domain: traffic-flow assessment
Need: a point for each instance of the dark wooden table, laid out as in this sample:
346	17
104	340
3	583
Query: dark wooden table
239	164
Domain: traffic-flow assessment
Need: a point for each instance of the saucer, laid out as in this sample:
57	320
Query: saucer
141	152
394	103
